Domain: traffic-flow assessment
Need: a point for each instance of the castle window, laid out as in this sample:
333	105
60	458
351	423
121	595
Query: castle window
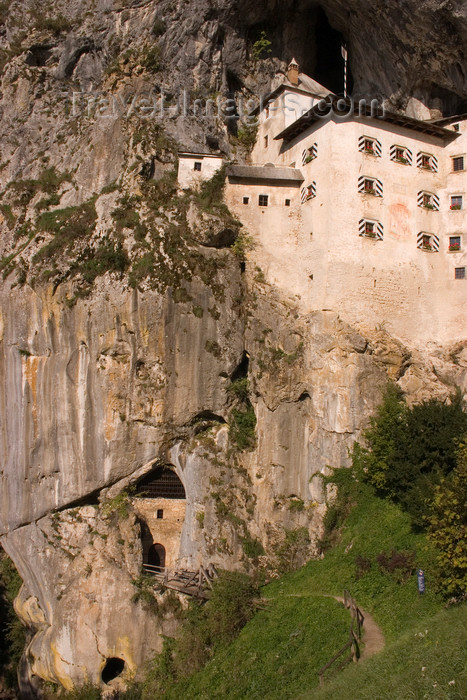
370	229
308	192
454	243
457	164
310	154
263	200
246	200
400	154
456	202
266	111
160	513
369	146
370	185
456	127
428	200
266	141
427	161
428	242
459	273
287	202
197	166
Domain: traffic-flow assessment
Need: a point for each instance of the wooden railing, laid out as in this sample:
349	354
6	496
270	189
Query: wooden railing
195	583
353	644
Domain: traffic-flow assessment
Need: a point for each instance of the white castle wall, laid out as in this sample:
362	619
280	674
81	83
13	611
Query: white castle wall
188	177
368	281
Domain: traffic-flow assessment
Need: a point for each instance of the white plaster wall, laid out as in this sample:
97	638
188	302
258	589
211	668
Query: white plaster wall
188	177
369	282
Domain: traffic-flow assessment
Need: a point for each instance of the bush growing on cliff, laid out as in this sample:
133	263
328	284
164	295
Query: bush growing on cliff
410	449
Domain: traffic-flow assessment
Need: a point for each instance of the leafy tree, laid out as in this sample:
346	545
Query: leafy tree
410	449
447	527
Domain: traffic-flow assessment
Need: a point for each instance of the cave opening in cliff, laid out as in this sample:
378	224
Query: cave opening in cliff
113	668
241	370
329	64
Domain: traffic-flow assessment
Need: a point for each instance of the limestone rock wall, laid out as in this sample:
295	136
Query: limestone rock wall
95	390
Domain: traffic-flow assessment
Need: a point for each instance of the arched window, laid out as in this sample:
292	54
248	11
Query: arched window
161	482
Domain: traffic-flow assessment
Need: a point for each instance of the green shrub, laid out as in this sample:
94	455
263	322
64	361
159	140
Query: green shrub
247	134
261	47
411	448
205	628
398	564
240	388
152	59
242	427
67	225
293	551
252	547
447	528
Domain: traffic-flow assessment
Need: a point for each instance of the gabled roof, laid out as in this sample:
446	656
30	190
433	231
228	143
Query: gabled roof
306	86
265	172
316	115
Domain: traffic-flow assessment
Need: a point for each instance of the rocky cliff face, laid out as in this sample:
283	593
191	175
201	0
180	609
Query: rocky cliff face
126	317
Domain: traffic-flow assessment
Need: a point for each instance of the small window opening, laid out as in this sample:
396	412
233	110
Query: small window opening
197	166
370	229
428	201
246	200
426	242
456	202
266	140
263	200
426	162
266	110
459	273
458	164
112	669
287	202
456	127
369	186
160	513
454	243
369	146
400	155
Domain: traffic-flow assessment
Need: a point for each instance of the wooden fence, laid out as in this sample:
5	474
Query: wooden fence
353	644
194	583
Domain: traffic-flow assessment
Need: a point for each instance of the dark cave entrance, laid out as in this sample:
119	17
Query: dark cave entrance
112	669
328	68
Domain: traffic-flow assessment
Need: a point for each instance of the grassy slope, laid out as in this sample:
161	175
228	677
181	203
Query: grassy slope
278	653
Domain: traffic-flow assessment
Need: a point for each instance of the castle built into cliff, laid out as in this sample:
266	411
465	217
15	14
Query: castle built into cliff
355	208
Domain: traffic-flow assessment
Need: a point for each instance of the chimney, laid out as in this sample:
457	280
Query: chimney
292	72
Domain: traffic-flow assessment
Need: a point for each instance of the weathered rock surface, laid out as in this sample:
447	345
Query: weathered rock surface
94	391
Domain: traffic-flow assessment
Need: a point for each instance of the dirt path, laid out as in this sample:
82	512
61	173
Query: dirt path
373	637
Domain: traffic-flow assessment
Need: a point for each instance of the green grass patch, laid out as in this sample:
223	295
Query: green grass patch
375	555
426	662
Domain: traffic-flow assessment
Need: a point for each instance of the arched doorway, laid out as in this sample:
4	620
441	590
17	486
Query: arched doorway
156	555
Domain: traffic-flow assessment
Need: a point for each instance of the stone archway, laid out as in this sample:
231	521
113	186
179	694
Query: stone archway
156	555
